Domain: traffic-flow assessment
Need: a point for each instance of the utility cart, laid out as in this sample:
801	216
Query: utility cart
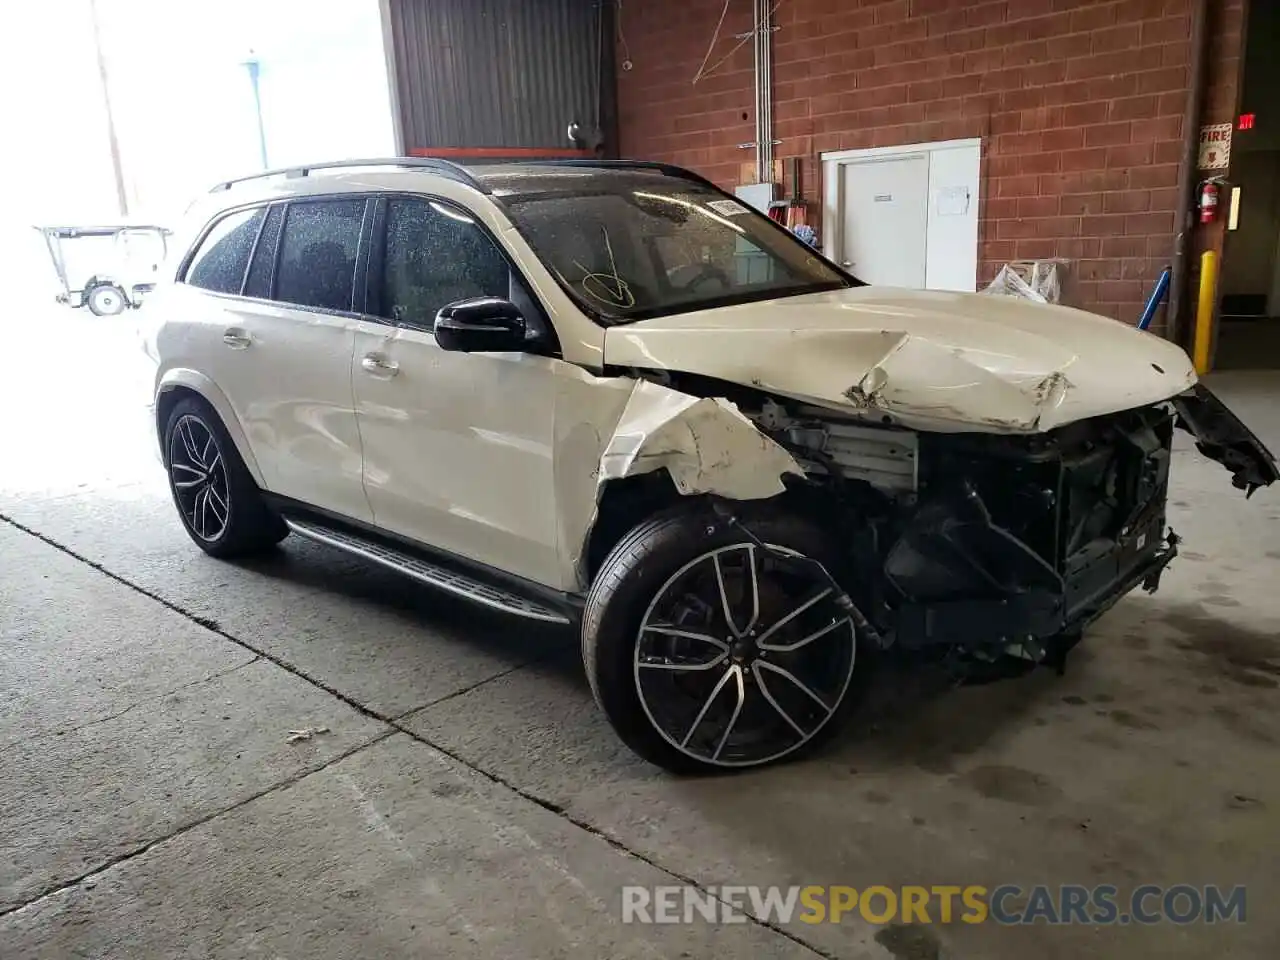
106	268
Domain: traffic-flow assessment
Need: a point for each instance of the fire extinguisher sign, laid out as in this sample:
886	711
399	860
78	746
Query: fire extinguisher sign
1215	146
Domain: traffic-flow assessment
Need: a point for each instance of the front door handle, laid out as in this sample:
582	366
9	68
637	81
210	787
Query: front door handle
379	366
236	339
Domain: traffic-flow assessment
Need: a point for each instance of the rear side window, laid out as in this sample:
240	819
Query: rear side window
317	264
222	258
258	282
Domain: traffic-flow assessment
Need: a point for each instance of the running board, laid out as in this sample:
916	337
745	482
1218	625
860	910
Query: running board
429	573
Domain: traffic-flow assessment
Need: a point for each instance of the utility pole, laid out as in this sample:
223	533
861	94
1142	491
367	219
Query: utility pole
254	66
122	197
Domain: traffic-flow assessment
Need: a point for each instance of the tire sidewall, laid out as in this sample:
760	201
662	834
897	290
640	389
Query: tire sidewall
651	554
190	407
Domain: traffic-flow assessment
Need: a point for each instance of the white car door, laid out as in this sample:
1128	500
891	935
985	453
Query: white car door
457	447
281	352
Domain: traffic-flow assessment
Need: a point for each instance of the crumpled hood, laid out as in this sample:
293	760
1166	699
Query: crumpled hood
929	360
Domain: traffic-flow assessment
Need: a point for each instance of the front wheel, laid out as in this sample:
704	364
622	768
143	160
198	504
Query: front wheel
711	649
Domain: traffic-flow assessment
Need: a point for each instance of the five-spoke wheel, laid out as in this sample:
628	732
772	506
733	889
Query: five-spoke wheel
739	660
221	507
737	654
199	477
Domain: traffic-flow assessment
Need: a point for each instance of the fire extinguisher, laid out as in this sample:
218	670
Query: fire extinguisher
1210	191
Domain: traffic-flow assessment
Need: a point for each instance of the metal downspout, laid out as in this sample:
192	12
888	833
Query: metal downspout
1187	175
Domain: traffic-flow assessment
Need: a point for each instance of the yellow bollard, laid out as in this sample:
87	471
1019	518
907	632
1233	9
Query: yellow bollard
1204	311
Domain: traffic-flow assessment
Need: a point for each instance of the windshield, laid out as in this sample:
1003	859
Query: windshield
630	244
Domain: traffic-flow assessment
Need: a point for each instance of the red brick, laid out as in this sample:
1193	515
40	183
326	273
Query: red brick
1133	155
1037	249
1020	186
1116	247
1093	16
1107	134
1134	108
1082	204
1167	30
1127	201
1068	47
1103	226
1111	39
1164	175
1170	151
1081	114
1058	140
1003	208
1120	290
1151	224
1161	128
1088	159
1163	80
1037	206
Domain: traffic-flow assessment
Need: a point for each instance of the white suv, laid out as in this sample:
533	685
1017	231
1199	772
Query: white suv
611	395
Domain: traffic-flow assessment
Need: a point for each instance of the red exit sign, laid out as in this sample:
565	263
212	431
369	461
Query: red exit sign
1246	121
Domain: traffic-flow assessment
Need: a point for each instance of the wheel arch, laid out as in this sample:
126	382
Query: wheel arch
181	382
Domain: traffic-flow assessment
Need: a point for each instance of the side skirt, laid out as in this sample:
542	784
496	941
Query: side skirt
464	578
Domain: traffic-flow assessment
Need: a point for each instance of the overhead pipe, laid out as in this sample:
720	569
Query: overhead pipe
1185	226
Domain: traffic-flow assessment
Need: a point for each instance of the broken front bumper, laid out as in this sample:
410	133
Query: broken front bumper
1042	613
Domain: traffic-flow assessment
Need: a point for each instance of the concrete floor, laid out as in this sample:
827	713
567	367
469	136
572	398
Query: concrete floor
468	800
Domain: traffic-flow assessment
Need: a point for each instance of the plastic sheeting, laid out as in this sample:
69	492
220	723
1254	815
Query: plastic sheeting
1036	280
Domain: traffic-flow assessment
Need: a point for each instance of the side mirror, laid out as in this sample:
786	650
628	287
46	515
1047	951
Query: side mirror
481	325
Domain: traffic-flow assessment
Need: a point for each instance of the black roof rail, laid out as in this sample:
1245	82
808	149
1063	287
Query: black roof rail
658	166
443	167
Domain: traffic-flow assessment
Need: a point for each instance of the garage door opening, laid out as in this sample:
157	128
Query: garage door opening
1249	329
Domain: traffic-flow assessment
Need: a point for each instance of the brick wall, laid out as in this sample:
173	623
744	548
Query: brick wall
1079	104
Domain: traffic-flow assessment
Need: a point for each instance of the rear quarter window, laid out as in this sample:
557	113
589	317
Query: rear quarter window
220	262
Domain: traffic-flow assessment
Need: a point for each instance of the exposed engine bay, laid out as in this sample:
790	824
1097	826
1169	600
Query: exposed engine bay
994	541
998	544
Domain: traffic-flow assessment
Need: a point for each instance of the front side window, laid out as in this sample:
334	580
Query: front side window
317	265
223	257
630	244
435	255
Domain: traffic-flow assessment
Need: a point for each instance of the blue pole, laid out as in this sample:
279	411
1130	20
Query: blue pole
1157	295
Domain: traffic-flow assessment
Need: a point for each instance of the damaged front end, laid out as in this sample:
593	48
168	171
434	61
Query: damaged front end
995	544
1016	544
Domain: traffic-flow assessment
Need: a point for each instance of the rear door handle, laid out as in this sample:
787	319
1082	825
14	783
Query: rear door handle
379	366
236	339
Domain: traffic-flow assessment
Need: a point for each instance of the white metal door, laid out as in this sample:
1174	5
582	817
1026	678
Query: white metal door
885	220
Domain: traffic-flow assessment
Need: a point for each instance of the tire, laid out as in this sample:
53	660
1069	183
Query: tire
106	300
220	506
648	695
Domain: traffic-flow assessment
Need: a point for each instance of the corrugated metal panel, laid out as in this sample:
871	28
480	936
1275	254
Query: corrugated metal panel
498	73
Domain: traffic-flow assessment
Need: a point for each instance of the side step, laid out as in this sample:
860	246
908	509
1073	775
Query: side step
429	573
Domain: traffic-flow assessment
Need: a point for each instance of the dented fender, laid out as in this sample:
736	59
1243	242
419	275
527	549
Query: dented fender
707	445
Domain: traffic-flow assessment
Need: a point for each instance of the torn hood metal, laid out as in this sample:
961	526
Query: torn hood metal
929	360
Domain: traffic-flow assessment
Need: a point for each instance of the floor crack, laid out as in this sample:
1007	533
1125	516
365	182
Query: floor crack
149	845
394	725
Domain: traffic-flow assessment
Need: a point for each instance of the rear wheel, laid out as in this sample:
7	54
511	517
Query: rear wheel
217	500
709	649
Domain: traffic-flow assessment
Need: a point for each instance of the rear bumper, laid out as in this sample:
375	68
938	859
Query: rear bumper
1041	613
